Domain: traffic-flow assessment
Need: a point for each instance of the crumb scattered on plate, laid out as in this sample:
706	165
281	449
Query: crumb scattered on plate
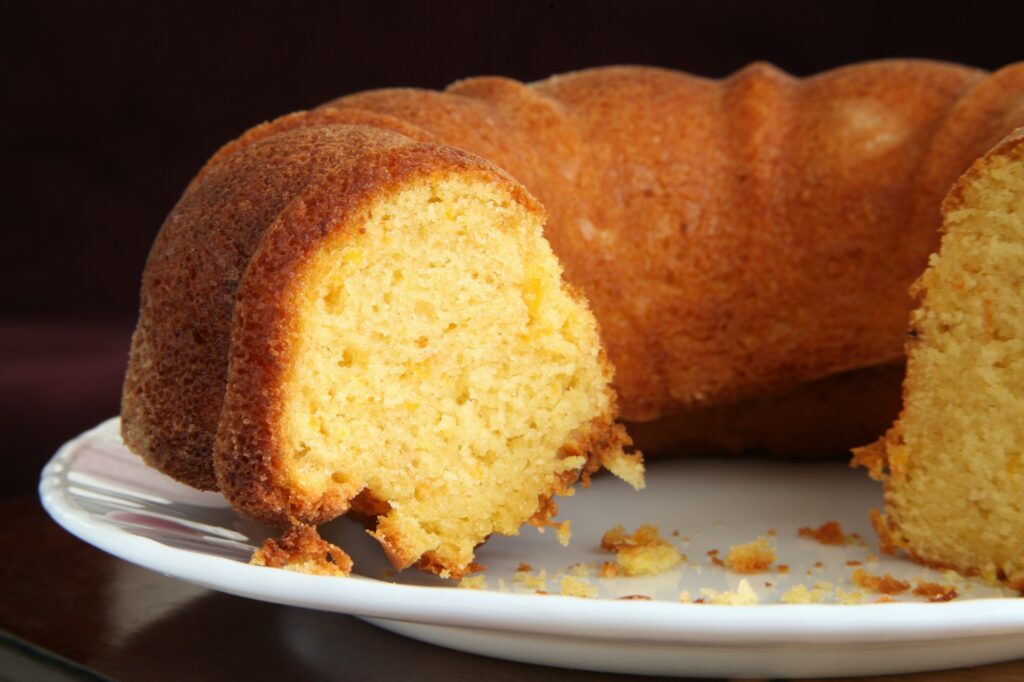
828	533
581	570
538	581
643	552
647	560
752	557
935	592
617	537
744	595
473	582
799	594
563	531
883	584
848	597
571	586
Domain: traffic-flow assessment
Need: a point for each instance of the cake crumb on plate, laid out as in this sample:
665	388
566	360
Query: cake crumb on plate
752	557
744	595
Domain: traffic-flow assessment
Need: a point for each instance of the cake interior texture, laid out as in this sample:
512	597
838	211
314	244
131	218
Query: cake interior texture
955	479
443	368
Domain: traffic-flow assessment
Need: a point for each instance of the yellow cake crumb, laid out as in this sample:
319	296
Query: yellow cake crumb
753	557
608	570
613	537
646	535
647	560
473	582
572	586
799	594
643	552
628	467
849	597
883	584
538	581
581	570
744	595
563	531
685	597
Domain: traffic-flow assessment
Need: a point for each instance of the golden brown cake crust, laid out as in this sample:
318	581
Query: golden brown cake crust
735	238
302	549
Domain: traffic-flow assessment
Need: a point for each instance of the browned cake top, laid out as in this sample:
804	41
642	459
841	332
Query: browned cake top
734	238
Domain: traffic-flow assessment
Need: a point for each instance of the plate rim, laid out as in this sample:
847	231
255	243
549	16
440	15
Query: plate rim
595	619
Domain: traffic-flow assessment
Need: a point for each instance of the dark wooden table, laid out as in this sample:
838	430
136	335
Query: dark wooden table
69	611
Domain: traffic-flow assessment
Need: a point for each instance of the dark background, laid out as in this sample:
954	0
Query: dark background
112	108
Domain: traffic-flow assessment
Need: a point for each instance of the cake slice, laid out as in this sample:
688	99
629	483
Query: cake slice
374	324
953	464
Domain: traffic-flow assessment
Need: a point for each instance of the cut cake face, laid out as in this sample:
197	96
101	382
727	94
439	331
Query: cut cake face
439	374
952	463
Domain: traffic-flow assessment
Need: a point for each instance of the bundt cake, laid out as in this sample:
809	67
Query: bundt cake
342	317
953	464
354	306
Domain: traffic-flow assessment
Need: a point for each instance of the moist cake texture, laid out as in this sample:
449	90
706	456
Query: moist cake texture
952	463
392	334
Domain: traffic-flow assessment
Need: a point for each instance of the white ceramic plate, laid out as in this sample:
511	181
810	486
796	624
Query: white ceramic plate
103	494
